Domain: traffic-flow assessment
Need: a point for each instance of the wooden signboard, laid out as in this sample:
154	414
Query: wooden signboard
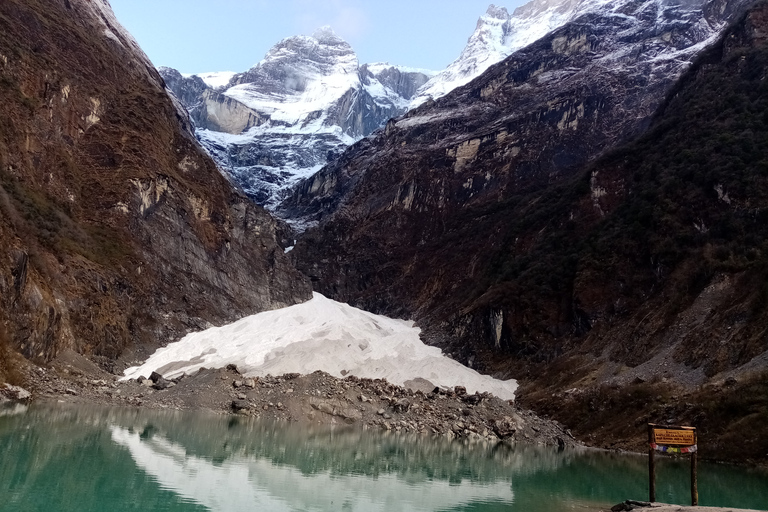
674	436
676	440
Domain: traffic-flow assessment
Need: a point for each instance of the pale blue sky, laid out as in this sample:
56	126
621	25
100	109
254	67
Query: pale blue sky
195	36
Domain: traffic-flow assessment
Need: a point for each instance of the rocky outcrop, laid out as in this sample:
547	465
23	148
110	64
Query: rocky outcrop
14	394
445	216
118	231
221	113
188	90
294	112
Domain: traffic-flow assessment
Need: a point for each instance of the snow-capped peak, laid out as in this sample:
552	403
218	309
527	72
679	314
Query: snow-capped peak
497	12
299	107
378	67
299	76
499	34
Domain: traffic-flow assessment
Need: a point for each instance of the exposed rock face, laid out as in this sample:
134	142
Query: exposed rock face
295	111
437	217
117	228
189	90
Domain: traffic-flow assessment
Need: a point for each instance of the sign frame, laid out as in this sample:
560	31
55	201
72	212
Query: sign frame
672	439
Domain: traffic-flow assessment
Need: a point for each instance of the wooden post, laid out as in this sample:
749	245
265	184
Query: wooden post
694	475
651	465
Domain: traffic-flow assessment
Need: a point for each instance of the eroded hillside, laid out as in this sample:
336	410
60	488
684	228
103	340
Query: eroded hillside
117	230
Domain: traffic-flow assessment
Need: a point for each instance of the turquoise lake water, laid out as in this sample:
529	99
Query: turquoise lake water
66	458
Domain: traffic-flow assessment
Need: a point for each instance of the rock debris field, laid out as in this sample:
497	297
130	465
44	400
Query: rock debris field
316	398
336	365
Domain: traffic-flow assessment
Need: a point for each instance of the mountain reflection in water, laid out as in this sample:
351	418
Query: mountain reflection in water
81	458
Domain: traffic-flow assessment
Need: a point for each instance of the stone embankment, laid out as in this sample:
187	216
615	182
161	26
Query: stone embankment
314	398
663	507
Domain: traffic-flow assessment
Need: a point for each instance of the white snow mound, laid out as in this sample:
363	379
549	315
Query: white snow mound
320	334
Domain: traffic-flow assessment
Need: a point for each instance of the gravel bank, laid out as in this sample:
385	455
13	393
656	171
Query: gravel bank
317	398
663	507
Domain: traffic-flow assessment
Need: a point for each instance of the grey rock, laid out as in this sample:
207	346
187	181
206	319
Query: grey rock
475	399
14	393
505	427
240	405
161	384
401	405
336	408
419	384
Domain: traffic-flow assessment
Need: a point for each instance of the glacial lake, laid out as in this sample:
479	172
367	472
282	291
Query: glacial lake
75	458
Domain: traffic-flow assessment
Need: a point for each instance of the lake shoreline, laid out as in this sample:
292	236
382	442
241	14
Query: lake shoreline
317	398
664	507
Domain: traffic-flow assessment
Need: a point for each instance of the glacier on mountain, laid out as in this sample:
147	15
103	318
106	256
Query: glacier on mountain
499	34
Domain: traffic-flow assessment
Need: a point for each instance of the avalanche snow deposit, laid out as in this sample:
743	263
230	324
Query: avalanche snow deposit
320	334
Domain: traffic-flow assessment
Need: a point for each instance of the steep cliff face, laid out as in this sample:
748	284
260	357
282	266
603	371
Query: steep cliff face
445	216
117	229
295	111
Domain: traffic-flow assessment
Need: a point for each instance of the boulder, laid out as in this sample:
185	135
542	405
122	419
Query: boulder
14	393
240	405
402	405
505	427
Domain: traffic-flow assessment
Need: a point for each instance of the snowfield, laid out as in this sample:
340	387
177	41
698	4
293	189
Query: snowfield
320	334
214	79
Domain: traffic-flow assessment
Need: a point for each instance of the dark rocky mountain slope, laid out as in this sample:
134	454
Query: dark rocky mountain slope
401	212
116	229
488	218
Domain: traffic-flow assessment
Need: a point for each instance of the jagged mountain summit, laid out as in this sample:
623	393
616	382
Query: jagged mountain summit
500	34
293	112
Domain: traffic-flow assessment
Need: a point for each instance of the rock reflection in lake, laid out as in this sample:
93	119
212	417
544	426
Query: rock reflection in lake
79	458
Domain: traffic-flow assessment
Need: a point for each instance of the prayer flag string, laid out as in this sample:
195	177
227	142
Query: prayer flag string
674	449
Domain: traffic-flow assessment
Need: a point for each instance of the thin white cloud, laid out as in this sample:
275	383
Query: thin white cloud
346	17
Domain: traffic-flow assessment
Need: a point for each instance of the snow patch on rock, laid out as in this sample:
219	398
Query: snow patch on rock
214	79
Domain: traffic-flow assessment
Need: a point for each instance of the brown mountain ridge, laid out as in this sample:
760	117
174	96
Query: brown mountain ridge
117	229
